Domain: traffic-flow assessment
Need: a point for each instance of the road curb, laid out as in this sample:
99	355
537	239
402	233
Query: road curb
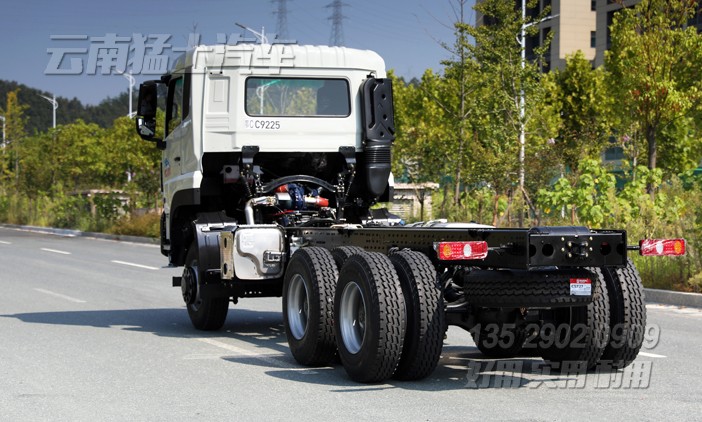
667	297
90	235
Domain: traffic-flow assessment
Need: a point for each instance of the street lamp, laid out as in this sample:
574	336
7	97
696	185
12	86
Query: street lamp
54	103
260	35
522	105
132	82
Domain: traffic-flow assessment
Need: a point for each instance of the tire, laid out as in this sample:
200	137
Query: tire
342	253
580	333
627	315
424	336
207	314
162	230
308	293
499	340
522	289
370	318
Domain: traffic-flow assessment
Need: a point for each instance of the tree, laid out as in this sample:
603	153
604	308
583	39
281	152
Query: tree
15	122
458	98
420	146
72	156
134	164
653	70
504	80
584	108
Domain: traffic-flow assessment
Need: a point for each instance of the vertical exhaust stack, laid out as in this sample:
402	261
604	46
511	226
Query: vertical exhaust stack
378	133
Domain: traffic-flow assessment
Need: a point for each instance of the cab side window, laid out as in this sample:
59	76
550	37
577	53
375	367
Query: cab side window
174	115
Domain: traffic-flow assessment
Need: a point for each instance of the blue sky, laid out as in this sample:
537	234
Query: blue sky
406	33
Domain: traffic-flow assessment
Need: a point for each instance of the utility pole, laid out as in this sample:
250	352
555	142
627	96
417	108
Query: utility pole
281	13
337	19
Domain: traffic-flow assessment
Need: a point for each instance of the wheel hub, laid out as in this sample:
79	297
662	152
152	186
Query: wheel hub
298	307
352	318
188	285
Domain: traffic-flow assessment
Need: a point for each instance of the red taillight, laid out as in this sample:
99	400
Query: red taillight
452	251
662	247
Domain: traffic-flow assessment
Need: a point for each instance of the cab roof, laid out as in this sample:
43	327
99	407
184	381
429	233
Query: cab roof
276	56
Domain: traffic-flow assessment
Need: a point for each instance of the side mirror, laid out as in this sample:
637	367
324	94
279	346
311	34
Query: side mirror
146	112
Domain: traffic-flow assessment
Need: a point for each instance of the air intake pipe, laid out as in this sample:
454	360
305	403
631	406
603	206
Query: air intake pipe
378	133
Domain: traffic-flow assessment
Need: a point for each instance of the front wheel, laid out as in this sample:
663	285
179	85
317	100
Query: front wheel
207	314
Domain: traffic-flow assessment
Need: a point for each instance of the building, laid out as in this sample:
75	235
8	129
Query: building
413	201
577	25
573	27
605	14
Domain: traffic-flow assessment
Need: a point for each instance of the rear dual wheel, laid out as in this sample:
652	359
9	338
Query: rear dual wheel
389	316
370	317
627	315
609	331
424	307
500	340
385	314
308	294
578	335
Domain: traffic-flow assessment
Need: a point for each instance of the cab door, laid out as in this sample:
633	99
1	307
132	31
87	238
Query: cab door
178	127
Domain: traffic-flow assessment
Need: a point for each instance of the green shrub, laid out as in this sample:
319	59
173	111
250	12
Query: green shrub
147	225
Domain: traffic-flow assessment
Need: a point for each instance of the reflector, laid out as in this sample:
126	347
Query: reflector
452	251
662	247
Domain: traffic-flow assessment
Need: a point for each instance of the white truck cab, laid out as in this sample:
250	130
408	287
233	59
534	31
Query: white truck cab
296	106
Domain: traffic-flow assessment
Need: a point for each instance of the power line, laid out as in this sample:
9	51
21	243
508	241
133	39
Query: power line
337	19
281	12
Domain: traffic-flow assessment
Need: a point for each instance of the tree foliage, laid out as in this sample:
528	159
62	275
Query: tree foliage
39	112
14	133
653	67
422	132
583	105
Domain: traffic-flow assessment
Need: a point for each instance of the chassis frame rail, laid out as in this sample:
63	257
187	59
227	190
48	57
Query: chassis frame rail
508	248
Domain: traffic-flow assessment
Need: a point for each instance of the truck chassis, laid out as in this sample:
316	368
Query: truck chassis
383	297
273	158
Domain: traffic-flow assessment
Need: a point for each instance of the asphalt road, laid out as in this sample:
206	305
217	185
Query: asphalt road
92	330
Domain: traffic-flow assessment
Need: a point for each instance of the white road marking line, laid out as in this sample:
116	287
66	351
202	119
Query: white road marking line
2	242
272	360
55	251
70	299
146	267
651	355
